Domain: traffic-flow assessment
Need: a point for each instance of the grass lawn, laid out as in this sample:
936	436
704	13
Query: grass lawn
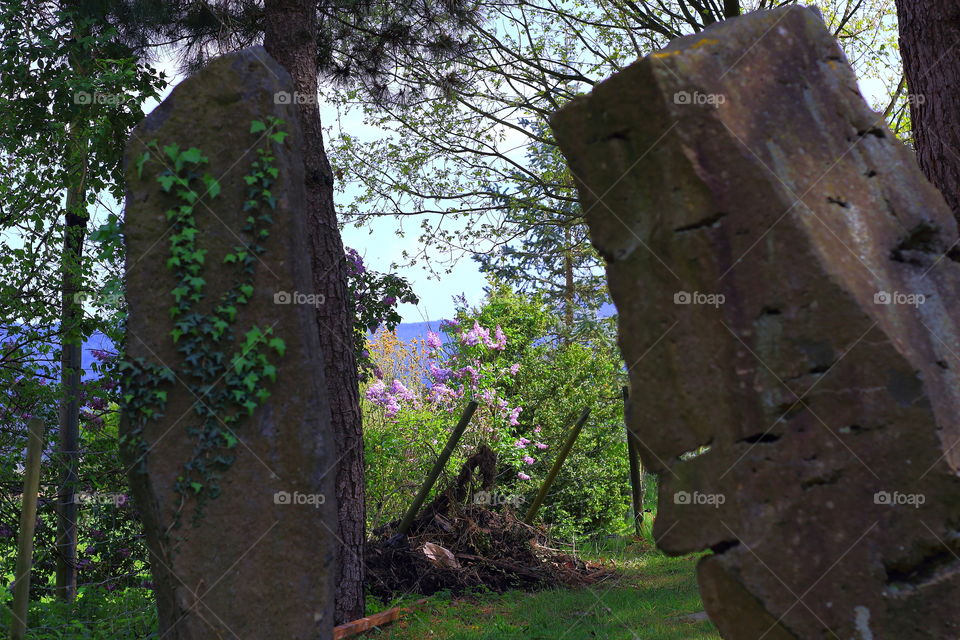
647	601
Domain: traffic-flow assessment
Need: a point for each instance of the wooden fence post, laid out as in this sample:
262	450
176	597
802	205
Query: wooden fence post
437	468
564	452
28	519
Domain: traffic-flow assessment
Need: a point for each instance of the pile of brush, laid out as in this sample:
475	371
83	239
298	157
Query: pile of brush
456	546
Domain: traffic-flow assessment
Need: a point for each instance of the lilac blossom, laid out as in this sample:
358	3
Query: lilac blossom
514	414
528	460
514	368
540	445
400	391
499	342
523	476
433	340
440	374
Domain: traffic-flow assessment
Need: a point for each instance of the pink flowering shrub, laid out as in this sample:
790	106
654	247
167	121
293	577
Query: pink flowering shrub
471	364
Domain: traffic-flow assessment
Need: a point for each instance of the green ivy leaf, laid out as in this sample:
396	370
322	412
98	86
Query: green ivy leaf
257	126
278	345
140	162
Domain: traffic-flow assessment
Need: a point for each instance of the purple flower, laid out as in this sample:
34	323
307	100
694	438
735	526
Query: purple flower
523	476
440	374
400	391
475	335
441	392
513	418
522	442
528	460
101	355
389	300
449	323
540	445
433	340
468	370
392	406
90	550
514	368
488	395
375	392
354	263
499	341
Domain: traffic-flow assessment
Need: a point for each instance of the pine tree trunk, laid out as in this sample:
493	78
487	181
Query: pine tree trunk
291	39
930	46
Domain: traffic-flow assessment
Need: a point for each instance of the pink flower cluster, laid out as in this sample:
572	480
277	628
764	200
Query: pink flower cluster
479	335
389	397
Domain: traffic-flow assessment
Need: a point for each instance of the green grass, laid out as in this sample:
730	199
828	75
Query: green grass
647	600
127	614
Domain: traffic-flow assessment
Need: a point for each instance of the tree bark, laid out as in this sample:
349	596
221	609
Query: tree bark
930	46
291	38
71	314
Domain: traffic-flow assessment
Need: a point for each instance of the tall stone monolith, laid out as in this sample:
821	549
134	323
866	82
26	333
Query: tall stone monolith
787	289
226	422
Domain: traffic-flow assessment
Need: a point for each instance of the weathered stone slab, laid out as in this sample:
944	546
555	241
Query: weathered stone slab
239	528
767	243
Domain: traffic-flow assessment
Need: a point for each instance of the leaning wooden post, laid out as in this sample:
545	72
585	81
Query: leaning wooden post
28	519
437	468
636	470
567	446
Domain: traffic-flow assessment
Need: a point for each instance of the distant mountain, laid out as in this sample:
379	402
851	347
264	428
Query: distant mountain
406	331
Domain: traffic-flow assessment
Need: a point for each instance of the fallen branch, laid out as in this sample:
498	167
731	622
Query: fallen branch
351	629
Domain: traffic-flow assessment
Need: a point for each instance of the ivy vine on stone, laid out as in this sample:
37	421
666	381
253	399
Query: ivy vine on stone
226	369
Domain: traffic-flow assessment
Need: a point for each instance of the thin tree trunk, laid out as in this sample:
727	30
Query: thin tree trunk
70	363
290	38
930	46
569	293
731	8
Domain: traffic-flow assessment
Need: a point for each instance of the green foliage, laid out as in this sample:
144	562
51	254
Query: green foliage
226	371
531	390
96	614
